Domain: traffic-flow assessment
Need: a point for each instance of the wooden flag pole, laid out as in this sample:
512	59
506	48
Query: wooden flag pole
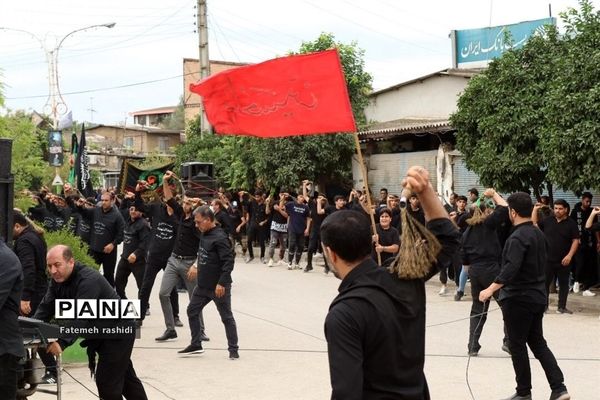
363	169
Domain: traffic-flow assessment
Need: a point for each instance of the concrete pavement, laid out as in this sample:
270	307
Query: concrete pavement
283	353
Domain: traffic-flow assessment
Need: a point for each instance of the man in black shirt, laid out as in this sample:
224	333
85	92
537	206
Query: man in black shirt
180	264
107	232
523	299
375	327
256	227
586	257
215	263
115	375
11	340
133	258
162	240
30	247
563	240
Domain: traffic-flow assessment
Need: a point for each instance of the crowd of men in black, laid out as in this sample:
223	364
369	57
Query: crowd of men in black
165	235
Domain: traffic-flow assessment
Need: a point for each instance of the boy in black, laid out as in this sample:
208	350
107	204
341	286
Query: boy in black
257	219
299	221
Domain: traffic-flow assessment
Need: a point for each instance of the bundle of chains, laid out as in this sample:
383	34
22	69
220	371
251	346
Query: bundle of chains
419	249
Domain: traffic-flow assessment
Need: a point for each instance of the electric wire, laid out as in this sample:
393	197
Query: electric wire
105	88
227	41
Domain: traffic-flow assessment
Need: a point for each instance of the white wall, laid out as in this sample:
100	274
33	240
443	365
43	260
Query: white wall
433	97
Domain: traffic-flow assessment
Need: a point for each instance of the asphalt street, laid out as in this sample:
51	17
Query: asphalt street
283	353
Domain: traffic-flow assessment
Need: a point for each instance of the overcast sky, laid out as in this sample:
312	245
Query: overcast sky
401	39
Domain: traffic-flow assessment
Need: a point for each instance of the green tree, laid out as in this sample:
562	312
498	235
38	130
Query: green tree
176	121
501	116
571	141
27	164
245	162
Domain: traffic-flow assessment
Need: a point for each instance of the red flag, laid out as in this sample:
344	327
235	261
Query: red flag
296	95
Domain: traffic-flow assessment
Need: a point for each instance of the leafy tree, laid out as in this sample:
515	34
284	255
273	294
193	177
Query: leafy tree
571	141
176	121
532	119
246	162
501	116
27	164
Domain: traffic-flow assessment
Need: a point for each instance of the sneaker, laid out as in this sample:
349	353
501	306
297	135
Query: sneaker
270	263
290	266
517	397
560	395
296	266
248	259
233	355
204	338
564	311
168	335
459	295
318	255
178	322
505	348
443	290
473	353
308	268
588	293
576	287
191	349
262	260
49	378
147	312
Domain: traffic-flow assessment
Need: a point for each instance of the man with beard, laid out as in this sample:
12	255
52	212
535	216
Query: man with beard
586	256
375	327
180	264
115	376
107	232
563	240
523	296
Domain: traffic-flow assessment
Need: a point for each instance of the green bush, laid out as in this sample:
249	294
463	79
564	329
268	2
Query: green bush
23	203
79	247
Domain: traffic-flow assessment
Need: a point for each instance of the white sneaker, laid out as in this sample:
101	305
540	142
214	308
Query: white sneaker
296	266
270	264
588	293
290	266
576	287
443	290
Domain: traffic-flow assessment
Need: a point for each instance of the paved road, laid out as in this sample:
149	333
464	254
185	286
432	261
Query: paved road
280	316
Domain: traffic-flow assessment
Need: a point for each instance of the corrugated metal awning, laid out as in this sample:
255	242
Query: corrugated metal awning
405	126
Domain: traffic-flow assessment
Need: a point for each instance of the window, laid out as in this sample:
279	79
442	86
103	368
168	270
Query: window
128	142
163	145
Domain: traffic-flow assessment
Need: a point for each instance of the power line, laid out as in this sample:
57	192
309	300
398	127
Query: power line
106	88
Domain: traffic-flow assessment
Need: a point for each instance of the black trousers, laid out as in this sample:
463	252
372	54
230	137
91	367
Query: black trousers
257	233
586	266
295	246
8	376
124	269
481	277
150	273
115	376
523	321
314	245
200	298
562	274
108	263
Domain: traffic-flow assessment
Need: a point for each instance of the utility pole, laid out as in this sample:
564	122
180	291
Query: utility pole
203	56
